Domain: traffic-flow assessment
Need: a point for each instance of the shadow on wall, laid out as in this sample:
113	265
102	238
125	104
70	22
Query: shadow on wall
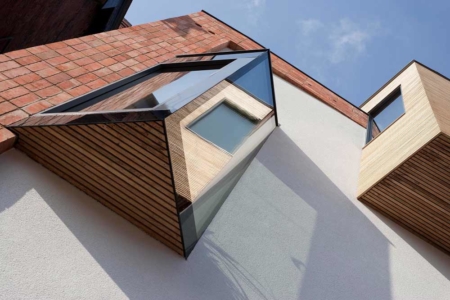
348	256
253	249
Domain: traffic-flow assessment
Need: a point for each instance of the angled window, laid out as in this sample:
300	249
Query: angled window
385	113
225	126
164	147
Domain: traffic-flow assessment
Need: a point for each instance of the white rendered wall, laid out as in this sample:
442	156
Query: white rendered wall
291	229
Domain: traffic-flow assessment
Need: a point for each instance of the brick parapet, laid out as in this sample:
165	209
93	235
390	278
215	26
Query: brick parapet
34	79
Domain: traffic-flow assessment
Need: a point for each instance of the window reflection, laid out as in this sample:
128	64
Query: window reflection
224	126
390	110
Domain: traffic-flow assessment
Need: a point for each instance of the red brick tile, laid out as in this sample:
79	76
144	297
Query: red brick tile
117	67
67	66
12	117
37	107
94	66
6	107
66	50
18	54
14	93
24	79
8	65
133	53
84	61
57	45
130	62
107	62
4	58
47	54
81	46
68	84
99	56
126	72
96	43
16	72
77	72
25	100
90	51
102	72
73	42
104	48
138	67
57	78
7	84
60	98
120	58
87	78
37	85
78	91
141	58
28	60
48	72
97	84
38	49
47	92
75	56
57	60
38	66
111	77
112	52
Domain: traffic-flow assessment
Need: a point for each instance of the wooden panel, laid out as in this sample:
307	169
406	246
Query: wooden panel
196	161
403	138
125	166
417	194
437	89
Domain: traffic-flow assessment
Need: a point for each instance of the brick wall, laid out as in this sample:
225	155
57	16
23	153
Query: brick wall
37	78
37	22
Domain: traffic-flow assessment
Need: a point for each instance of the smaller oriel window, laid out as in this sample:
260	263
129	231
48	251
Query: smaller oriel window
384	114
225	126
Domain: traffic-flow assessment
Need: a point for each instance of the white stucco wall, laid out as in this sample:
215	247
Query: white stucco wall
291	229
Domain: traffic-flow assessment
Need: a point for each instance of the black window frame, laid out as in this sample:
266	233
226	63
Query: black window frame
225	68
374	112
224	101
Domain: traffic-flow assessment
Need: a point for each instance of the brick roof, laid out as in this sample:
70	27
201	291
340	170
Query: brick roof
37	78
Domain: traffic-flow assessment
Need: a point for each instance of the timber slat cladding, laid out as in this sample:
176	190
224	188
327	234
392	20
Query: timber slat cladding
125	166
417	194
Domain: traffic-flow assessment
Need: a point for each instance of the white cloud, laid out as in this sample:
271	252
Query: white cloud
336	43
255	9
309	26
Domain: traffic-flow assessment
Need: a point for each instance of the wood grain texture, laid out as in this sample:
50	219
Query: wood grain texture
196	161
417	194
125	166
402	139
437	89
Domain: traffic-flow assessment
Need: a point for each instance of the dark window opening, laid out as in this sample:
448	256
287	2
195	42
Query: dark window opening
384	114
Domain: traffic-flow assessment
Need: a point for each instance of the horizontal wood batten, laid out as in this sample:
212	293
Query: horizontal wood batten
417	193
116	164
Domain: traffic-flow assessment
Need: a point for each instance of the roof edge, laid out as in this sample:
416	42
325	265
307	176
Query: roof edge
312	78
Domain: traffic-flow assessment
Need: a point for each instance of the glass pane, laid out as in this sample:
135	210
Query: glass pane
387	116
224	126
173	88
232	55
255	80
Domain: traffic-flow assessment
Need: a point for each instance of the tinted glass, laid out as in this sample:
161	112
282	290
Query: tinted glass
387	116
255	79
224	126
235	55
175	87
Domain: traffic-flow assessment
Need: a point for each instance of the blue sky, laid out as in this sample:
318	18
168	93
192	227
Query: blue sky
352	47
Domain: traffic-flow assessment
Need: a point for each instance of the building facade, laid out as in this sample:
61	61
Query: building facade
118	163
